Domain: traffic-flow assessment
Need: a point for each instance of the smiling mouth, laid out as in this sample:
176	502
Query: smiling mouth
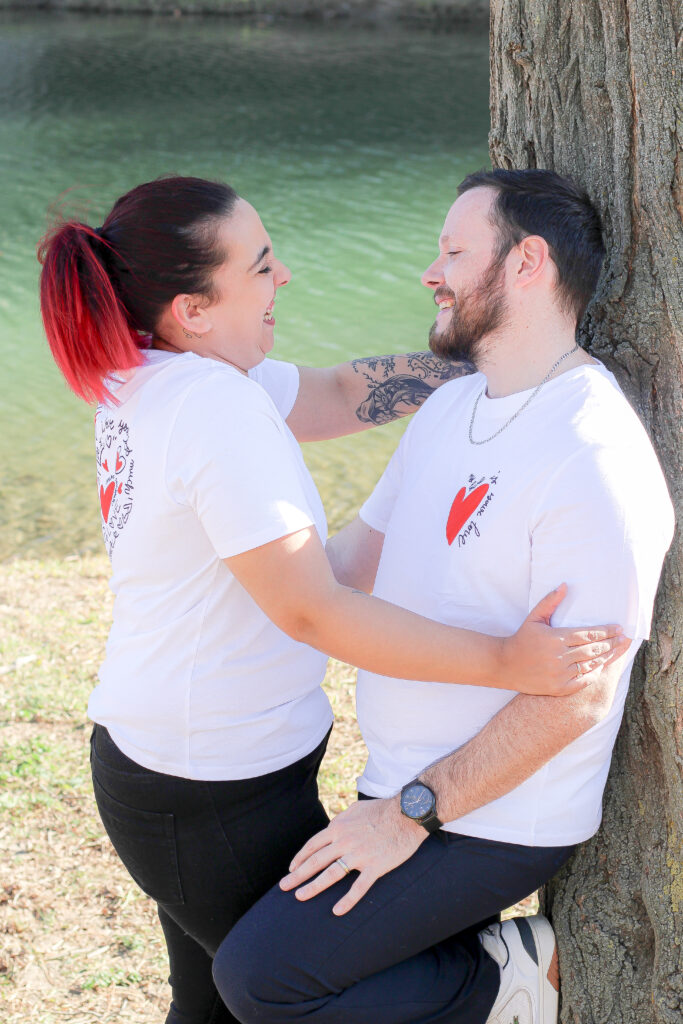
444	299
268	317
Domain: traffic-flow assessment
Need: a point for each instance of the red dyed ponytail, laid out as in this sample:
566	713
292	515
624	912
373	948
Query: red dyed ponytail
102	291
86	323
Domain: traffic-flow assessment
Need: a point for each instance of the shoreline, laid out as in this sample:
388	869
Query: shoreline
369	12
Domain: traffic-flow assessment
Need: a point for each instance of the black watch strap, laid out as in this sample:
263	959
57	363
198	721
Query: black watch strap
431	822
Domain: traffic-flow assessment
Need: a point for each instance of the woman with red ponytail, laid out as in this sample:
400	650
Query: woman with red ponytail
210	722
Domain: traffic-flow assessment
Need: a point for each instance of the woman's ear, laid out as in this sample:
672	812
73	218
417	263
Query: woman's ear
190	314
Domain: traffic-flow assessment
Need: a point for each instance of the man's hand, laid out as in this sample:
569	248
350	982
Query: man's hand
372	837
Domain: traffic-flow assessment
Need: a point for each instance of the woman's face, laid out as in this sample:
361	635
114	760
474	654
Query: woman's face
242	319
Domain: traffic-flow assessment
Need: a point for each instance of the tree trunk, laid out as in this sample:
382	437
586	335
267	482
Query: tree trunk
592	88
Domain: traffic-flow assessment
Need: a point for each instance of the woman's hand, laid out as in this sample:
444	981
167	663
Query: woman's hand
372	838
541	660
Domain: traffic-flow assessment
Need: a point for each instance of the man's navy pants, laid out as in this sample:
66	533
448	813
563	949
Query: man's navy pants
408	953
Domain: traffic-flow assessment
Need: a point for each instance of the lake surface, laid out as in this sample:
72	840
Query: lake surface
350	143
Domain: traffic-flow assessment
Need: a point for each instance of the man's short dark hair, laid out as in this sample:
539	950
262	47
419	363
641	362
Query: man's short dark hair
540	202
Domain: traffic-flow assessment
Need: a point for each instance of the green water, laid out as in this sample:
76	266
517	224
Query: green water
348	141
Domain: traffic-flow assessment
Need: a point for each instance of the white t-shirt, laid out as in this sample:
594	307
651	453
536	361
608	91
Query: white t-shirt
194	465
572	492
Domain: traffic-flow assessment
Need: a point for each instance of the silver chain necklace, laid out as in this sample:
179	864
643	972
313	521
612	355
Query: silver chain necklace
521	409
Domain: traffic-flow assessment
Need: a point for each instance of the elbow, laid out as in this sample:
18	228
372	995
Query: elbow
599	697
303	629
298	624
592	715
590	710
304	622
599	709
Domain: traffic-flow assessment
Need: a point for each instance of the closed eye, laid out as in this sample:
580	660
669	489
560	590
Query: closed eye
266	270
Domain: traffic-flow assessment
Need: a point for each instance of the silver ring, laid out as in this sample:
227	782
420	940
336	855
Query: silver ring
343	864
579	670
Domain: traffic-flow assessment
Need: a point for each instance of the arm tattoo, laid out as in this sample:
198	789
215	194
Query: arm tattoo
394	392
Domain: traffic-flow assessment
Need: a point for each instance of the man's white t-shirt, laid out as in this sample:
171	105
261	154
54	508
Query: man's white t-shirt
475	536
196	464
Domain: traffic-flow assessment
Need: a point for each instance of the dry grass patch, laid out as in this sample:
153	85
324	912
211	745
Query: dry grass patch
79	943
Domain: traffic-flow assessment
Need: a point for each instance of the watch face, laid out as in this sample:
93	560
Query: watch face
417	800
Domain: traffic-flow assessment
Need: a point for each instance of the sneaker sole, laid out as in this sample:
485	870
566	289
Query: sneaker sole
548	996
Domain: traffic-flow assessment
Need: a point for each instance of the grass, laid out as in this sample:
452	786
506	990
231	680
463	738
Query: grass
79	943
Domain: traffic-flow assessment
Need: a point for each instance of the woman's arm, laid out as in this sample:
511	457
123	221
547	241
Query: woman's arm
292	582
363	393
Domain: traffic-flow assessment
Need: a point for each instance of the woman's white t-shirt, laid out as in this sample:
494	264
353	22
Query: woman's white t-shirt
196	464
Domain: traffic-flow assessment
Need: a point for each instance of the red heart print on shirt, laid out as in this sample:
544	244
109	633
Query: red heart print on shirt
462	508
115	466
106	494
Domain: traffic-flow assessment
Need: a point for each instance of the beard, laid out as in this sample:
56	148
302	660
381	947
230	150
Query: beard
474	315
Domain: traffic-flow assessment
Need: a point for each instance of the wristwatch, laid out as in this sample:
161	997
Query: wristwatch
419	803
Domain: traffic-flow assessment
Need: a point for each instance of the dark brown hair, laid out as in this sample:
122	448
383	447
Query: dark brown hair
541	202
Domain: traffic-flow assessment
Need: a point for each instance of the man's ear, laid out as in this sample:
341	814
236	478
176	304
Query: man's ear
533	260
190	312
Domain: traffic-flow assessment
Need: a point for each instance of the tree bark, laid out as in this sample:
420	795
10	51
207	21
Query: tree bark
592	88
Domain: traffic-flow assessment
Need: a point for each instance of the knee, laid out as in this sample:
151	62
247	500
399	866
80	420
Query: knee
244	974
232	977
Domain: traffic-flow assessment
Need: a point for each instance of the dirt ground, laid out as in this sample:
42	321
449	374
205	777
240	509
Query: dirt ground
78	941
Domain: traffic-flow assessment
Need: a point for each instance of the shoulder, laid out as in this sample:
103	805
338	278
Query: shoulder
603	456
165	374
223	387
586	411
280	380
272	371
208	400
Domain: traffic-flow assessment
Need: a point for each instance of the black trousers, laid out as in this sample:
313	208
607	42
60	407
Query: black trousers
408	953
205	851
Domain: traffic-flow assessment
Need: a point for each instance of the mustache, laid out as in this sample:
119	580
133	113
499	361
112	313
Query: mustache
443	292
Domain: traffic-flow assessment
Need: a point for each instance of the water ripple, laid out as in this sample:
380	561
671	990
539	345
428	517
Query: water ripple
349	142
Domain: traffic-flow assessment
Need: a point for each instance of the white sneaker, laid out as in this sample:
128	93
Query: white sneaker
524	948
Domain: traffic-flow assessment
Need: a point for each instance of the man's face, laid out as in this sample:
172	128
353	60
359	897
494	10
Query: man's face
468	280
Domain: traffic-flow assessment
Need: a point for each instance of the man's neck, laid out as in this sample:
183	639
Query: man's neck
520	356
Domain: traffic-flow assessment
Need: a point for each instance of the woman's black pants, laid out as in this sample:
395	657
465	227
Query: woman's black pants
205	851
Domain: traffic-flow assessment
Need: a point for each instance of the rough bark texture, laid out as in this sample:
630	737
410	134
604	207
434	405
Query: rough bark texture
593	88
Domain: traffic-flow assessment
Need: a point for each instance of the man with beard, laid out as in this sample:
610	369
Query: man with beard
533	470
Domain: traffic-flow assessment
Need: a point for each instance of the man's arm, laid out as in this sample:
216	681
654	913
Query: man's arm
374	837
354	555
495	761
364	393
